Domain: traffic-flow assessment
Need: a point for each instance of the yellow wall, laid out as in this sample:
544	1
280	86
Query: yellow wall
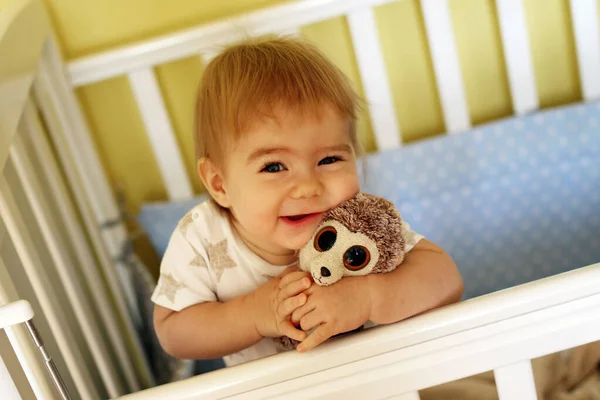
85	27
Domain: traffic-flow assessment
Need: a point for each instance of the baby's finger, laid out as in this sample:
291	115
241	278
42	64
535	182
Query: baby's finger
293	288
301	312
310	321
289	270
287	306
321	334
291	277
291	331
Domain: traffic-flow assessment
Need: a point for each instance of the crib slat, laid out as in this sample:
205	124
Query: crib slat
584	14
207	57
41	149
12	314
92	194
194	41
65	268
162	138
15	313
292	31
38	278
60	105
369	57
515	381
19	339
9	390
517	52
446	64
99	207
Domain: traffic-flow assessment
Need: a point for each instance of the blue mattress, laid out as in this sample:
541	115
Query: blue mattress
511	201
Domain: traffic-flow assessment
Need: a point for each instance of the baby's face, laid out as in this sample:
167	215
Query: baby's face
283	175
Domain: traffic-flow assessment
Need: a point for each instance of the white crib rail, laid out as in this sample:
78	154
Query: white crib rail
6	383
19	312
137	62
587	39
515	43
440	35
65	267
11	316
501	331
91	191
206	40
160	132
209	38
369	57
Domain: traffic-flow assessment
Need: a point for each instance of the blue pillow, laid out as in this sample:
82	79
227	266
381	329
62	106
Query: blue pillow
159	220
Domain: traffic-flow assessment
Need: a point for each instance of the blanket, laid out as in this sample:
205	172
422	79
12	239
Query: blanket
572	374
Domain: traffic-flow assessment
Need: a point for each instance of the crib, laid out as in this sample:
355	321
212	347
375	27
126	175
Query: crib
69	326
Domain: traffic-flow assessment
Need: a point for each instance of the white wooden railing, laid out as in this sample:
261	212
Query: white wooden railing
502	331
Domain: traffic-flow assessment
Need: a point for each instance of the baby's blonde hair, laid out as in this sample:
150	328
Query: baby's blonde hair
248	81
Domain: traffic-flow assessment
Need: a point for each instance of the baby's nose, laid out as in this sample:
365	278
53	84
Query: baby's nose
325	272
307	188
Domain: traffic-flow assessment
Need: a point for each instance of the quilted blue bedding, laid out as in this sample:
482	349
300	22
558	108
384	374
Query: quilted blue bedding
511	201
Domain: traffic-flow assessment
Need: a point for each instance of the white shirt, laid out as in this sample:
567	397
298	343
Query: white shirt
207	261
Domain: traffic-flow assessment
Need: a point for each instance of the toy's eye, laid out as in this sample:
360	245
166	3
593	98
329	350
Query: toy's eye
325	239
356	258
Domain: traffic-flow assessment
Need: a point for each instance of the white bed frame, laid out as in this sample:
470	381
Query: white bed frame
59	261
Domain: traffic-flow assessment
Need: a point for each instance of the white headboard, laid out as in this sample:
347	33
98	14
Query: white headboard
138	60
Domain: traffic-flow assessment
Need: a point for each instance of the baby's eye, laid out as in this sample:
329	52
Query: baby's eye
329	160
273	167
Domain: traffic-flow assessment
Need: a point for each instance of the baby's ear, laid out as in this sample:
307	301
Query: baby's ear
212	179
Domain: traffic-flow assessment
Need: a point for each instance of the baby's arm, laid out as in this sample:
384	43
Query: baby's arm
215	329
426	279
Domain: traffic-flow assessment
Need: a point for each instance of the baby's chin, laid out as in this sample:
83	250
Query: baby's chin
296	244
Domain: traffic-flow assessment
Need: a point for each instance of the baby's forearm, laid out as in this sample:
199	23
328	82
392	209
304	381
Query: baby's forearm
207	330
427	279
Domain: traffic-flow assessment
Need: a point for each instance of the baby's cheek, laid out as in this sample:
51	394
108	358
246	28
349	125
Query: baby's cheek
347	189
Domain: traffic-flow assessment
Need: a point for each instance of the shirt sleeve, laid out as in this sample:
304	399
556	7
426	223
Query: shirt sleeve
411	237
185	278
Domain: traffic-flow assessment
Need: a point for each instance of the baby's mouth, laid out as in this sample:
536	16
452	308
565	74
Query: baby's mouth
297	217
300	219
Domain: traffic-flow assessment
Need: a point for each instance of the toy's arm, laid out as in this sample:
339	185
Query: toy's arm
426	279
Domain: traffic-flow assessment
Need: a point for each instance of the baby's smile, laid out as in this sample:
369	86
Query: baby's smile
300	219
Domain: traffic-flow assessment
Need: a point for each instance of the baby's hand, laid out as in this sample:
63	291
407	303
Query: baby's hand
277	299
341	307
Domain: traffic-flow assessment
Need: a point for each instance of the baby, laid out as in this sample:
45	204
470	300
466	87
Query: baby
277	147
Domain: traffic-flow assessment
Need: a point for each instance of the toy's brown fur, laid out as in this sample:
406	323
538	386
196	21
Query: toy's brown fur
378	219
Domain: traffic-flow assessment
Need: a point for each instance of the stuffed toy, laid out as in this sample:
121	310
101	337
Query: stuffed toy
361	236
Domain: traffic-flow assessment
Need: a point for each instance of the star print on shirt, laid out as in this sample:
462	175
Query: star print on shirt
169	287
185	222
198	260
218	257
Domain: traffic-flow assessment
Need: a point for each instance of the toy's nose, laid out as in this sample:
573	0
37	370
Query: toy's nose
325	272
